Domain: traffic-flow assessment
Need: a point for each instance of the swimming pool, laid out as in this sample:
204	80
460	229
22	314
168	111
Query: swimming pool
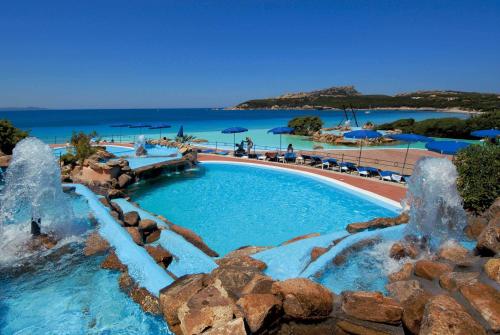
233	205
65	292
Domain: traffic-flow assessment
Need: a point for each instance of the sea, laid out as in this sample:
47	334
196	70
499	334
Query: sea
56	126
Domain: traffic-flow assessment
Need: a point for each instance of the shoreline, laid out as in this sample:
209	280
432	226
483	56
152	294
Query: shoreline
402	108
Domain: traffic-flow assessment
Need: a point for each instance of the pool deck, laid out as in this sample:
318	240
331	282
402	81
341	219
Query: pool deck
393	191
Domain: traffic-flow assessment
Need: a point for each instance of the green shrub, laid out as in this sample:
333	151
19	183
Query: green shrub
478	181
9	136
83	148
398	124
306	125
68	158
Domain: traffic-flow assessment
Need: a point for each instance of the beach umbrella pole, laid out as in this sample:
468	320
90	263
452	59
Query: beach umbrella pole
234	143
404	162
360	150
280	144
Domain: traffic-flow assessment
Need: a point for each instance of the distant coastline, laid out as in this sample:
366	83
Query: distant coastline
402	108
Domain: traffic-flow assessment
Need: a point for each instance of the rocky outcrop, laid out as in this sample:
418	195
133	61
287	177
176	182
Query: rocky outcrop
259	309
413	310
444	315
488	242
401	290
403	274
455	253
194	239
452	281
136	235
401	250
131	219
378	223
112	262
161	256
371	306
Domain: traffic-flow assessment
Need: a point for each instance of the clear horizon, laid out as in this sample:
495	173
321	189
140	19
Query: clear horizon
196	54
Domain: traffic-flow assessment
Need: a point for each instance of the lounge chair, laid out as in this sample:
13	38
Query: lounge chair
207	151
347	167
272	156
367	171
290	157
329	162
222	153
390	175
316	160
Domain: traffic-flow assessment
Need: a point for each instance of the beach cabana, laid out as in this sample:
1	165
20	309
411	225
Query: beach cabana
160	126
280	131
409	138
120	125
446	147
362	135
234	131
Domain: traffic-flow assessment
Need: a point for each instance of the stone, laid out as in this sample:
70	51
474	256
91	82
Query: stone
209	308
316	252
302	237
349	327
233	327
136	236
125	282
234	279
401	250
246	251
371	306
123	180
118	209
259	309
112	262
452	281
403	274
488	242
431	270
154	236
194	239
147	301
492	269
160	255
413	310
378	223
454	253
131	219
105	202
95	244
475	226
176	294
443	315
494	211
259	284
242	261
402	290
114	193
147	225
486	300
304	299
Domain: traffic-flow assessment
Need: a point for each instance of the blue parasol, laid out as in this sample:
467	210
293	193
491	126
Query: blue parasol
119	125
446	147
234	131
410	138
160	126
280	131
486	133
362	135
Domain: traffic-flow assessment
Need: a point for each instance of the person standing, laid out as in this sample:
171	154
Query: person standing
249	145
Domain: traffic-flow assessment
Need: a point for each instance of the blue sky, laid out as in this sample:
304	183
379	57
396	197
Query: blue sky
195	53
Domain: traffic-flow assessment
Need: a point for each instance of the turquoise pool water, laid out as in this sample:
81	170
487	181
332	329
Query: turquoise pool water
236	205
64	292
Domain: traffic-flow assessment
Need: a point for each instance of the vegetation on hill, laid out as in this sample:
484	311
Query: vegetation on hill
478	180
446	127
9	136
338	97
305	125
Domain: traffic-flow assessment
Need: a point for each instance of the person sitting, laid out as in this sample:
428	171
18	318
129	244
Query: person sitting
240	150
290	148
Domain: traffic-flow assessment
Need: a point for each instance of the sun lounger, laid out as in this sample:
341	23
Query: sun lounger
390	176
316	160
272	156
329	162
367	171
207	151
290	157
347	167
222	153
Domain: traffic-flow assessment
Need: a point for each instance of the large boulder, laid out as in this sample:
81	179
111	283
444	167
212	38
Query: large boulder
431	270
242	261
209	308
95	244
452	281
147	301
123	180
378	223
486	300
492	269
115	207
259	284
316	252
475	226
194	239
136	236
233	327
488	242
234	278
304	299
413	310
444	315
455	253
131	219
112	262
147	225
402	290
371	306
161	256
259	309
403	274
401	250
175	295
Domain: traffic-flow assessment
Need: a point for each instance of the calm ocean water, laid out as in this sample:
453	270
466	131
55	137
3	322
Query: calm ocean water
57	125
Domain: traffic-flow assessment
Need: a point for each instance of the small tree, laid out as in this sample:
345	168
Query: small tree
306	125
478	181
83	148
185	138
9	136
